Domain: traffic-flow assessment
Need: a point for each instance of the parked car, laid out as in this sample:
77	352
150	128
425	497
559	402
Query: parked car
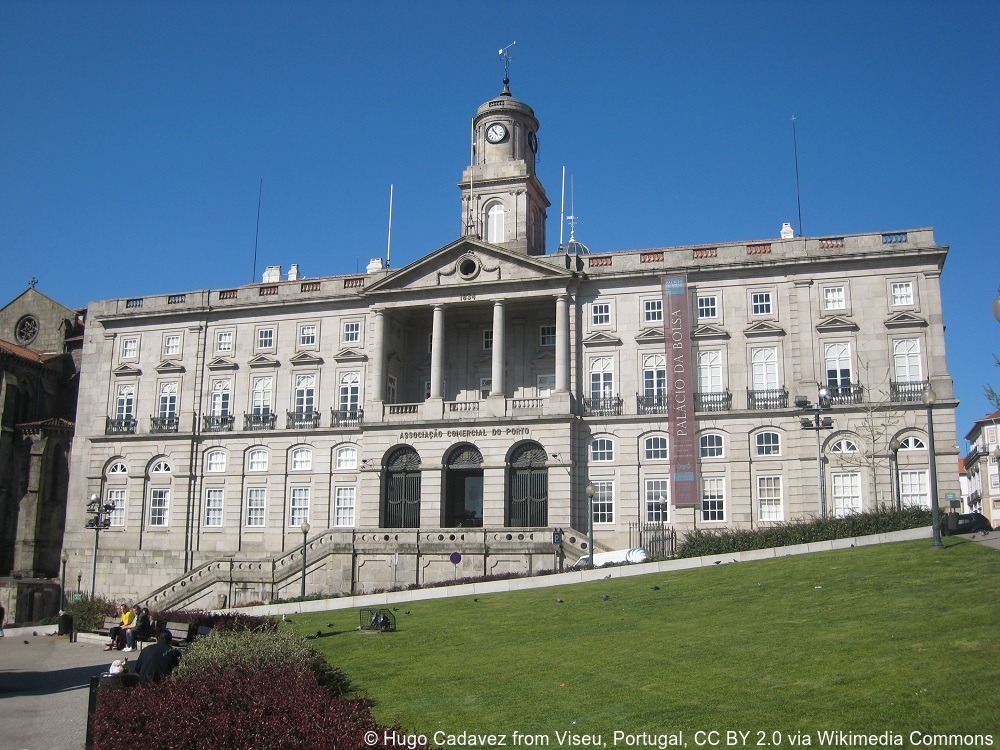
967	523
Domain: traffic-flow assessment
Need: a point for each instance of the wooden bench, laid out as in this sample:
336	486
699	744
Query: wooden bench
109	622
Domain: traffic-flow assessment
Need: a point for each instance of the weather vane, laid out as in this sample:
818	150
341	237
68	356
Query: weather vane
505	53
32	282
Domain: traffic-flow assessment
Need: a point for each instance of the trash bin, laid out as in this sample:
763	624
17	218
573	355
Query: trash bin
65	624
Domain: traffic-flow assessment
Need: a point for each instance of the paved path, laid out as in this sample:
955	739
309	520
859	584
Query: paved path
44	690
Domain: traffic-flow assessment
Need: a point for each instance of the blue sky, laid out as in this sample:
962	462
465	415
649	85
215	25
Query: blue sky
134	135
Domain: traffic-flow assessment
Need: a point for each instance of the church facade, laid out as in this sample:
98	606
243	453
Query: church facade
442	420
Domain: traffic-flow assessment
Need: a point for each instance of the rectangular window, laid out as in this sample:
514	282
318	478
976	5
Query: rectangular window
343	513
485	386
657	503
130	348
838	365
834	298
256	500
846	493
902	293
167	407
488	339
265	338
159	504
125	401
765	368
546	384
602	378
600	314
390	389
767	443
760	303
116	517
213	507
656	448
220	404
305	394
654	375
307	335
300	506
261	392
914	489
708	307
906	360
652	310
709	372
547	336
302	459
224	342
171	344
352	332
769	498
604	502
602	449
713	499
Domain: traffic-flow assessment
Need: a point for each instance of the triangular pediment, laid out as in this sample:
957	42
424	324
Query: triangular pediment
168	365
305	358
710	332
836	323
350	355
470	263
905	320
262	360
126	370
544	357
602	339
650	336
764	328
222	363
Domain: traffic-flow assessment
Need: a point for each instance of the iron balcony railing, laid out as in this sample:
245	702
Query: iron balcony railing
121	426
302	420
772	398
219	422
347	417
720	401
164	424
651	404
608	406
907	390
846	394
264	421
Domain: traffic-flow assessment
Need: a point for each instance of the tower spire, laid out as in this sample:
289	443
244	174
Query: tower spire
505	54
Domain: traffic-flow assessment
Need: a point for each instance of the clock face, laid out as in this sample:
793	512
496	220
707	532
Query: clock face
496	133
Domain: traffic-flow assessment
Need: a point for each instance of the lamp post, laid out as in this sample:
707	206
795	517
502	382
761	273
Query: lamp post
929	398
305	534
816	423
591	491
62	584
100	520
79	577
894	446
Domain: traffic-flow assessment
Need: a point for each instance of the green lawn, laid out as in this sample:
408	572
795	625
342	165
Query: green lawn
896	638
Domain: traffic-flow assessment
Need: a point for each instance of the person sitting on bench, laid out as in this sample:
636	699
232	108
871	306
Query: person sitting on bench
117	633
140	629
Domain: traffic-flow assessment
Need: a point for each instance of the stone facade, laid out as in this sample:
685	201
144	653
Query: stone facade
464	403
982	465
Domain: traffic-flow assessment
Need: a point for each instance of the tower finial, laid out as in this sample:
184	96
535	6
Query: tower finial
505	53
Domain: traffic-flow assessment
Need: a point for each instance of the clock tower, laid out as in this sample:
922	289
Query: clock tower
503	202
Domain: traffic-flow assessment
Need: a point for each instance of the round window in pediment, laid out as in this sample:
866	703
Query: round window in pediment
26	329
468	267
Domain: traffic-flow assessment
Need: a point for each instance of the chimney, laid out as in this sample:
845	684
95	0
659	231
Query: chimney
293	272
272	274
787	232
374	265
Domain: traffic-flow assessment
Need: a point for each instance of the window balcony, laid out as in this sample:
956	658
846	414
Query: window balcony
123	426
846	394
264	421
219	423
164	424
302	420
651	404
773	398
713	401
609	406
907	391
346	417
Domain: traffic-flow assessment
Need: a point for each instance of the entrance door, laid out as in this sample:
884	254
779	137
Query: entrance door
463	502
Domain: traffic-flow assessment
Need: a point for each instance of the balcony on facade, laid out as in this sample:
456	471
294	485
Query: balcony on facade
651	404
721	401
607	406
846	394
908	391
160	425
302	420
346	417
219	423
123	426
265	421
772	398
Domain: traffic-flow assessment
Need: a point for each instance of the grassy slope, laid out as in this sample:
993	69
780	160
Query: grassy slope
894	637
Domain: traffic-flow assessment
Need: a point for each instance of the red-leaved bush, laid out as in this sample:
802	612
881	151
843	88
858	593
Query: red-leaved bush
276	708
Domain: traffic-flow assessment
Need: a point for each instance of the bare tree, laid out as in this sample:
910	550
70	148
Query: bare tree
991	394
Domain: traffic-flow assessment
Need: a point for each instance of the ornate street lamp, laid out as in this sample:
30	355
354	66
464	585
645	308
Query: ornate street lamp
929	398
816	423
100	520
894	446
62	585
305	534
591	491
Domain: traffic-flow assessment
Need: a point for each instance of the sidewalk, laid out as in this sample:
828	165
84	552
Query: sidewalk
44	689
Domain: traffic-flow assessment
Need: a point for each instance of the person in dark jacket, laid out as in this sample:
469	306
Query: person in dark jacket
140	629
159	660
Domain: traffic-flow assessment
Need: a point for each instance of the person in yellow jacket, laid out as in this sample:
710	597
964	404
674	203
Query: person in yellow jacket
117	633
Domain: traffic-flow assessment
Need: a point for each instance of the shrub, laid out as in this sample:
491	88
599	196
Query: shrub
724	541
255	650
90	612
218	621
235	709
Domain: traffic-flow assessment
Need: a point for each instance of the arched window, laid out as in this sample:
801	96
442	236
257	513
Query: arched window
401	503
767	444
215	461
115	492
257	460
528	494
655	448
160	467
844	445
464	487
118	467
302	459
494	223
912	444
602	449
710	445
347	458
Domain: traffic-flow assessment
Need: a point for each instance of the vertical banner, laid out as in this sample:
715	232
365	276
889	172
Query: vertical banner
684	491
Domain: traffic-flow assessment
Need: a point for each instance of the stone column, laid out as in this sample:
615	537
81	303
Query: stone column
378	362
497	388
437	351
562	343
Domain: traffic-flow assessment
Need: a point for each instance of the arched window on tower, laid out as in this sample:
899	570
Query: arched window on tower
494	223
